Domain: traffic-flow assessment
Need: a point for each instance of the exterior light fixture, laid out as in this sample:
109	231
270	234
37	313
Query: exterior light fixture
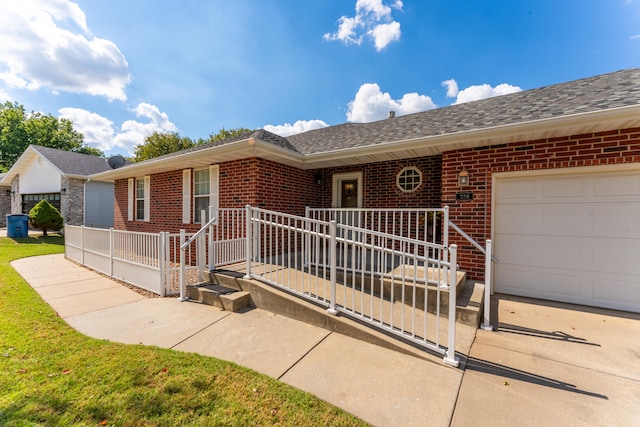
63	191
463	178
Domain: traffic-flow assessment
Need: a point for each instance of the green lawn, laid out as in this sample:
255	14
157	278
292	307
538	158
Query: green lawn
52	375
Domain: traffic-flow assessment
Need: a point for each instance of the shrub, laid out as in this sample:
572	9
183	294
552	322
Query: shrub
45	217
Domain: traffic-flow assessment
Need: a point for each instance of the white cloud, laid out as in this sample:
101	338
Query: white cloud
374	19
47	44
97	130
371	104
384	34
346	32
100	133
452	88
477	92
300	126
4	96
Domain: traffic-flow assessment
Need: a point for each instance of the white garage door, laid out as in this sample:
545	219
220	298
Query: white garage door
571	237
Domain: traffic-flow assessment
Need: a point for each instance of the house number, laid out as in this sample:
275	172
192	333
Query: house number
464	195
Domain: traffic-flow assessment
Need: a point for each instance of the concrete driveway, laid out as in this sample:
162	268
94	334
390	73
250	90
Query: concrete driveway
553	364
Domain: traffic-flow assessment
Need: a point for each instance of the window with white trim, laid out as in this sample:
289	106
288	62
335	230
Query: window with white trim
201	186
140	199
409	179
139	203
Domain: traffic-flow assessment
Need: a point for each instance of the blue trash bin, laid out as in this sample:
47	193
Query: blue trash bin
17	226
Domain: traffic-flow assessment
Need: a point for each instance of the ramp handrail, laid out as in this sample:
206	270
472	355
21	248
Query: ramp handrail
183	246
372	276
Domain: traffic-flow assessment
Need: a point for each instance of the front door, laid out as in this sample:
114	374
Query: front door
347	190
349	193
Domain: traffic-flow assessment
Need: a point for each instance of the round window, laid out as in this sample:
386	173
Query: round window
409	179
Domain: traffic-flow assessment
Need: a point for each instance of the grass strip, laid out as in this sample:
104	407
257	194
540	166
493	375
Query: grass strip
52	375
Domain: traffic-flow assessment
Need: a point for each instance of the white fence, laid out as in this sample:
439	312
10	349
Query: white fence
140	259
151	261
380	279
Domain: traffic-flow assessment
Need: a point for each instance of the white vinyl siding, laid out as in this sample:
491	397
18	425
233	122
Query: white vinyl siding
570	237
98	203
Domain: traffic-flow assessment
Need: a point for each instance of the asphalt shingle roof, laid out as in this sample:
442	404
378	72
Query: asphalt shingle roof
617	89
603	92
73	163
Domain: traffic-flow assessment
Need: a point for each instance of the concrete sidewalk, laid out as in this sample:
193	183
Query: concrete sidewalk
547	365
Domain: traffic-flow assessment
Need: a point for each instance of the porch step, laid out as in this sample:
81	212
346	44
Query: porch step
217	295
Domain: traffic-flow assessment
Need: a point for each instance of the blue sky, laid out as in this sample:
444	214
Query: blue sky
121	69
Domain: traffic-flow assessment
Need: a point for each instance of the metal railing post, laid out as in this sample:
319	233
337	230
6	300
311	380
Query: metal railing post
212	214
445	237
488	267
183	269
307	238
248	242
333	240
450	356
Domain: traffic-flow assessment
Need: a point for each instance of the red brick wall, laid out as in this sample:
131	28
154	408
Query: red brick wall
285	189
253	181
379	182
474	217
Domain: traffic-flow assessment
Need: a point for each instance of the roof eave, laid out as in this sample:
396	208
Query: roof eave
242	149
574	124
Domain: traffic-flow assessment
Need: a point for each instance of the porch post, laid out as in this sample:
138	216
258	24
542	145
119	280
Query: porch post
450	356
486	323
248	238
332	266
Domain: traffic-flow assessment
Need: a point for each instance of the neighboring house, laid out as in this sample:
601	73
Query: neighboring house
5	201
551	175
61	177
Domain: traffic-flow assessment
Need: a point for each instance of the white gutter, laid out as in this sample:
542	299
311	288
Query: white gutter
480	136
434	144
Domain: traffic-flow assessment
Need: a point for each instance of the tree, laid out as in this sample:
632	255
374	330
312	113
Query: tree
224	134
45	217
18	130
158	144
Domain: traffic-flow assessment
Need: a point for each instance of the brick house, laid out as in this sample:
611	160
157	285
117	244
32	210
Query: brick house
551	175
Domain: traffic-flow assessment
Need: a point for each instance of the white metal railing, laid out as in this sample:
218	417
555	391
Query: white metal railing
378	278
489	259
422	224
414	223
220	241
